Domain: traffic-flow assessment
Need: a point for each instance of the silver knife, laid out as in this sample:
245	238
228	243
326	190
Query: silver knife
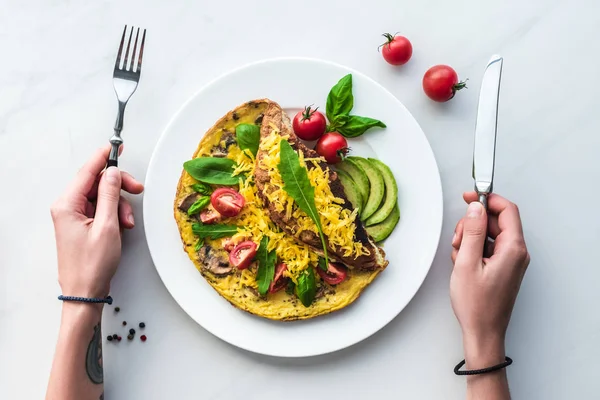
484	151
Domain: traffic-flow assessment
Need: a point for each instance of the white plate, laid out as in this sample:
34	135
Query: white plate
294	83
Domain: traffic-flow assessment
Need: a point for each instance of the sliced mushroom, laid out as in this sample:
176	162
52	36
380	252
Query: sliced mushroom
228	138
187	201
213	260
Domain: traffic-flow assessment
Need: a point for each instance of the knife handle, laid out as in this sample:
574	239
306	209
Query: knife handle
483	200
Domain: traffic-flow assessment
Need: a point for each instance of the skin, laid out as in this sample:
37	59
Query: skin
88	221
91	215
483	290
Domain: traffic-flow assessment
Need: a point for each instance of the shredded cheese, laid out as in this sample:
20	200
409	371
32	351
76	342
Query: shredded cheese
254	221
338	223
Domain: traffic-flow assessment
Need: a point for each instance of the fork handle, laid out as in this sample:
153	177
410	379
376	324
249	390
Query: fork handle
113	157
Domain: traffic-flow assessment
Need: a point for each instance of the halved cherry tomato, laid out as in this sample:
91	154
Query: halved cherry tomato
228	244
336	273
209	215
279	281
241	256
227	202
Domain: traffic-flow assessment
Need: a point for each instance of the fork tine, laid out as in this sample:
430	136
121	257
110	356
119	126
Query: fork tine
139	66
134	49
120	49
127	51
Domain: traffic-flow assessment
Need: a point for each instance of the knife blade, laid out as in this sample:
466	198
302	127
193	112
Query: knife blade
484	150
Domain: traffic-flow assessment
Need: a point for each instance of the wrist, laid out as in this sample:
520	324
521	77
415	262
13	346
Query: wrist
78	312
482	351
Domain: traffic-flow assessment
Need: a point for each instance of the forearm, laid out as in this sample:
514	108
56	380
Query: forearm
482	354
77	371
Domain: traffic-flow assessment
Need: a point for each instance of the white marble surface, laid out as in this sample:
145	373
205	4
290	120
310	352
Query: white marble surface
57	105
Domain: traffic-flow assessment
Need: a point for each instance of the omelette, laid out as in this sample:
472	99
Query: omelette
288	256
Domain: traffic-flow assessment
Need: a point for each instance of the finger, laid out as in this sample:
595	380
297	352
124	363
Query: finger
474	236
453	255
109	191
126	219
130	184
458	233
86	177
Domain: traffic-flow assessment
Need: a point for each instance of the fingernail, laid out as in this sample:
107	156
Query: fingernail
475	210
130	219
454	238
112	175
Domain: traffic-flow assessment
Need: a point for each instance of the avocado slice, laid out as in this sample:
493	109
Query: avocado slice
351	190
357	175
376	184
391	193
382	230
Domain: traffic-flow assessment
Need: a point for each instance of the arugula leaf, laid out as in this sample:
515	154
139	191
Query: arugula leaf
217	231
198	205
356	126
199	244
266	266
297	185
248	137
214	170
306	290
340	100
202	188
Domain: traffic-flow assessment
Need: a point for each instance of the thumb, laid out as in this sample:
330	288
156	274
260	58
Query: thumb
109	191
474	235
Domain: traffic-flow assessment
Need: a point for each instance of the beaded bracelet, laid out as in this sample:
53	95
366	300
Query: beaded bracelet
505	364
107	300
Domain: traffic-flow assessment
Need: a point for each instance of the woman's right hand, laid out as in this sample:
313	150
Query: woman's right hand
483	290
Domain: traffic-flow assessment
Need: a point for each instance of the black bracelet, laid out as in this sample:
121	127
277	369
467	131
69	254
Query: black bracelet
107	300
483	370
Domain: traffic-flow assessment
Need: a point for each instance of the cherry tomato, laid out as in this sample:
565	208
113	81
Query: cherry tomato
209	215
440	83
227	202
397	50
279	281
336	273
309	124
241	256
333	146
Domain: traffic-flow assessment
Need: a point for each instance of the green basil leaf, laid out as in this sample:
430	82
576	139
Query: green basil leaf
199	244
217	231
338	122
266	266
202	188
297	185
198	205
248	137
291	286
356	125
214	170
340	100
322	264
306	290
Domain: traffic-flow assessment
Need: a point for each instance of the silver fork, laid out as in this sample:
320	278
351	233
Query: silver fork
125	81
